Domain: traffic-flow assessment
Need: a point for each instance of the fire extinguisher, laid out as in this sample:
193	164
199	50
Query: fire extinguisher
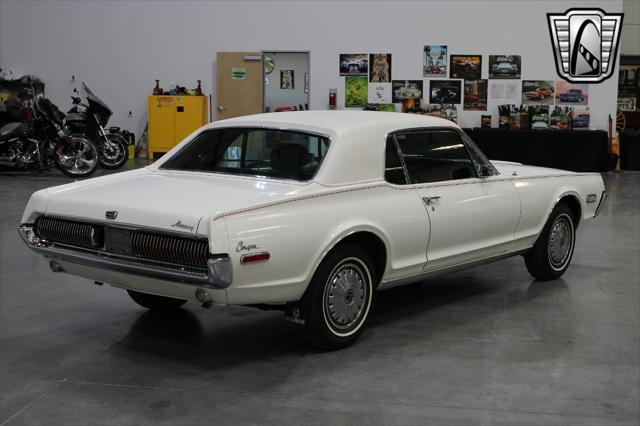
333	94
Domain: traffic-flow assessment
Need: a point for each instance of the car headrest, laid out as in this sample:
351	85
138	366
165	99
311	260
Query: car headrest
289	157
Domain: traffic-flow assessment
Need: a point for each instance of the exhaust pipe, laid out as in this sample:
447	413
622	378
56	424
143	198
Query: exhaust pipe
204	297
56	267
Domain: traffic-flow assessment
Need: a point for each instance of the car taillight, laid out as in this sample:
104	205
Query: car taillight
254	258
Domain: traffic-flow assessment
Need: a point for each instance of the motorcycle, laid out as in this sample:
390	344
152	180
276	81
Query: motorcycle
32	144
90	120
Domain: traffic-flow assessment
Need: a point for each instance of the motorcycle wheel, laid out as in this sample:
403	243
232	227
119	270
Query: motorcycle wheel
78	157
114	153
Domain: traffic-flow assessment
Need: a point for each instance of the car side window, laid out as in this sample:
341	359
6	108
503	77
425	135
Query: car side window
393	169
435	156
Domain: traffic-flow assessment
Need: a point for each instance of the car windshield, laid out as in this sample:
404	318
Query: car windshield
275	153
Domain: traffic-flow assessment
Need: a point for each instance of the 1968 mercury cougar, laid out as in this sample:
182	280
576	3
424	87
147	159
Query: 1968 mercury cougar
309	212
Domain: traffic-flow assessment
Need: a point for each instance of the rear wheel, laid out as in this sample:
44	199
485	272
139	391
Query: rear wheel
339	298
550	256
154	302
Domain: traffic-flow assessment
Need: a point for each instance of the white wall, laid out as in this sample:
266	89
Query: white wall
274	96
120	47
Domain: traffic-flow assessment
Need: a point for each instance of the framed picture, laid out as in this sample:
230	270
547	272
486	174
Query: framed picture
434	61
380	68
445	92
571	94
287	80
380	93
537	92
354	64
505	66
405	89
468	67
355	92
475	95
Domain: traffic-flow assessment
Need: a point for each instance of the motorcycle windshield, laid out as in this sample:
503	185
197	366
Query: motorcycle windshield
96	104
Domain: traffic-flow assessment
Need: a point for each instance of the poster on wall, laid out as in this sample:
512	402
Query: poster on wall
581	118
355	92
475	95
497	90
505	66
445	92
405	89
434	61
380	93
468	67
511	90
537	92
380	68
354	64
571	94
286	79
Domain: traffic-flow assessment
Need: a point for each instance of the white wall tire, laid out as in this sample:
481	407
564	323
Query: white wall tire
339	298
551	255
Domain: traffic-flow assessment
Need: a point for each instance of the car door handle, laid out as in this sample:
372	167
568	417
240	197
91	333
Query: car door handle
429	200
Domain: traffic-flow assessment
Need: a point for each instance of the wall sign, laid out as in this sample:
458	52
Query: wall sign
238	73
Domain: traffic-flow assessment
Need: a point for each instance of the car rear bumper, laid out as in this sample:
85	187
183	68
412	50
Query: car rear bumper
128	272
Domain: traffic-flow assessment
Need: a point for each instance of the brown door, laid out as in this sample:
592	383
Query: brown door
240	84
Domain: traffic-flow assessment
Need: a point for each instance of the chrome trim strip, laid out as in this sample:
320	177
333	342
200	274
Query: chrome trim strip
129	226
111	263
452	268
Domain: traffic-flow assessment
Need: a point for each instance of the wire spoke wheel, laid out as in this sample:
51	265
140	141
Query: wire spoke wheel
621	122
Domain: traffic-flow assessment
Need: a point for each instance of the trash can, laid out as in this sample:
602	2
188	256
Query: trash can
630	149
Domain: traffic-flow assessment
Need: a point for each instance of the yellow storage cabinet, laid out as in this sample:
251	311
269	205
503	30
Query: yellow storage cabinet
172	118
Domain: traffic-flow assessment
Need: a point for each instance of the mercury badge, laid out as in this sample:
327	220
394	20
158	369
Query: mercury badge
585	43
111	214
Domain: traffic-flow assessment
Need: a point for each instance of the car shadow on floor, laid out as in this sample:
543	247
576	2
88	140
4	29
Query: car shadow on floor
235	335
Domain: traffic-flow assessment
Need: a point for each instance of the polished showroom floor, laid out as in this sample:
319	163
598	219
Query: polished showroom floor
485	346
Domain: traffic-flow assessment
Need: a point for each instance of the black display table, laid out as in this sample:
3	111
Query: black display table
575	150
630	149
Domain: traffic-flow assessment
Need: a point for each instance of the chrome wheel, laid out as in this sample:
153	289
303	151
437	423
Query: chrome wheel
78	157
113	151
347	296
560	242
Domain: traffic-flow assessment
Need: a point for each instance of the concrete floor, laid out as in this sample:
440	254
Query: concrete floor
486	346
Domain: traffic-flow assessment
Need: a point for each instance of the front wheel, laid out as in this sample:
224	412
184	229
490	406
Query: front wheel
154	302
114	151
339	298
549	258
77	157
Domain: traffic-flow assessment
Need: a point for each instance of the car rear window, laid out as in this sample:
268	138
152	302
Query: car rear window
275	153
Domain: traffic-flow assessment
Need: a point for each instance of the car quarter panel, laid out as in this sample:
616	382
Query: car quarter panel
297	234
540	194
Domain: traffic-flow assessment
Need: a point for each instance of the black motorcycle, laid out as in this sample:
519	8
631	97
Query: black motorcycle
90	121
33	144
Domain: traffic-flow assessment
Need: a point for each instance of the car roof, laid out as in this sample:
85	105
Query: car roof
357	147
335	122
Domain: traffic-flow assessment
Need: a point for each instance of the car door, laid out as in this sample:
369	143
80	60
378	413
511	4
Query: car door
471	217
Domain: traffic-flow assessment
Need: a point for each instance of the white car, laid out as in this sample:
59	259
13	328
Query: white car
309	212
